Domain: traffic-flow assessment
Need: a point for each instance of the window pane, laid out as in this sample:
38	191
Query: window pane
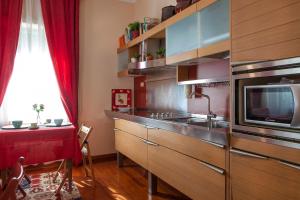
33	79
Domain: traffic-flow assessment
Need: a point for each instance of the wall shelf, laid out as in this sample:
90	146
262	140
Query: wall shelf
178	30
159	30
204	81
126	73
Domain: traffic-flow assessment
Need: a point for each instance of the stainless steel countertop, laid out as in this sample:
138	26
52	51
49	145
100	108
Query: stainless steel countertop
215	135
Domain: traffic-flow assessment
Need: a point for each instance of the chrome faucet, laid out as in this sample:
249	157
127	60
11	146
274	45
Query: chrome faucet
210	114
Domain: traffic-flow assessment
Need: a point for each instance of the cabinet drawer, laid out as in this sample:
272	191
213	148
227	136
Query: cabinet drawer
255	177
131	146
131	127
193	147
190	176
270	150
265	30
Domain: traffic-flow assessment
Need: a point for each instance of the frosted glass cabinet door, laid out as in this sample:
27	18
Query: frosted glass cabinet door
201	29
183	36
214	23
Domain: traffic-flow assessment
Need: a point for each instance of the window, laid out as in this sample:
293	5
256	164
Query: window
33	79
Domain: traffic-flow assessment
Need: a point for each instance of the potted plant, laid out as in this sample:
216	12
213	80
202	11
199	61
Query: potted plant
135	58
161	52
134	29
38	108
149	56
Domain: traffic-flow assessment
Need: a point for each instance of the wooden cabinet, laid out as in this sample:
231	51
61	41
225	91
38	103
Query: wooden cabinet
194	167
196	148
264	30
133	147
256	177
132	128
194	178
204	33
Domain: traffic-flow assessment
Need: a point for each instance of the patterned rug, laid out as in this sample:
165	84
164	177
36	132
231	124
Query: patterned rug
43	188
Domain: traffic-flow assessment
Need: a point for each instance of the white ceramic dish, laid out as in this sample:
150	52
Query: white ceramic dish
54	125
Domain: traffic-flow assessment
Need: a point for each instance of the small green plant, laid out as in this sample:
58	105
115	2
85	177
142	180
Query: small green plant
38	108
135	26
149	56
136	55
161	52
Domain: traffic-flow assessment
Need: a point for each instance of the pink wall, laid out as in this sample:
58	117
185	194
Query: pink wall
101	23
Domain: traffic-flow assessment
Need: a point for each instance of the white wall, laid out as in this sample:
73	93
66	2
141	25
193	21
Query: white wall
101	23
150	8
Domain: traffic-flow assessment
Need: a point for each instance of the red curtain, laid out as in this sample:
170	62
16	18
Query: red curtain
10	19
61	19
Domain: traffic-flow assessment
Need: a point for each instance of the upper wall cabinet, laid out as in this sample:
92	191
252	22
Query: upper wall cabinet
200	34
264	30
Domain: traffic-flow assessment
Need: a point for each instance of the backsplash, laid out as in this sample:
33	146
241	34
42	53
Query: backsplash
161	92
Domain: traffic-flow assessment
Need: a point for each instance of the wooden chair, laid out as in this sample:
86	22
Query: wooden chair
17	175
83	135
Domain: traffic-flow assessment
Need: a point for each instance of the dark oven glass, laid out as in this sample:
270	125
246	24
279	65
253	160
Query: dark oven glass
269	104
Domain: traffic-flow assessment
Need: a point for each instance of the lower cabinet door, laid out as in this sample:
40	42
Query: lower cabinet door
131	146
198	180
255	177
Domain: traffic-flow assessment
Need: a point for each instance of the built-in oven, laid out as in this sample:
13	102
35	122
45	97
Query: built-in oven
266	98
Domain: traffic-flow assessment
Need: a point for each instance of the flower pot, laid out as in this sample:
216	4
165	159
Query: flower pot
160	56
135	34
150	57
133	60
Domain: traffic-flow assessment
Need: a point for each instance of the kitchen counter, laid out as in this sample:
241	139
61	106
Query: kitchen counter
214	135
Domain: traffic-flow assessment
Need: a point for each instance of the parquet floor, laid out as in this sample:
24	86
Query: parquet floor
113	183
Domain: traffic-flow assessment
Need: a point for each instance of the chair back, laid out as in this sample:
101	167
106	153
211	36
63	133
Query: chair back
16	176
83	134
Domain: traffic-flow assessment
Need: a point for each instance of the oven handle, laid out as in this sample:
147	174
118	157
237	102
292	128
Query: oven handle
296	94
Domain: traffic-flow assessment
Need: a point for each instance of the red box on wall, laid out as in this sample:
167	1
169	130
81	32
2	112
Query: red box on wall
121	98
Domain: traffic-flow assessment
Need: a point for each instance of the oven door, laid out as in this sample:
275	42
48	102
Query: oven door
272	105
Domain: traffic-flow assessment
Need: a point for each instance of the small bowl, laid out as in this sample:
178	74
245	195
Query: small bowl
48	121
126	109
58	122
17	123
33	125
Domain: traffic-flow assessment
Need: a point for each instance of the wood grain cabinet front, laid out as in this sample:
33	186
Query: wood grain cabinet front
196	179
256	177
136	129
131	146
264	30
202	150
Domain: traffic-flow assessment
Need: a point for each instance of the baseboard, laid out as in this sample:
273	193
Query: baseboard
105	157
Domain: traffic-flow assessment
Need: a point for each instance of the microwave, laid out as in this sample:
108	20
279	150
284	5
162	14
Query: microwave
272	105
266	98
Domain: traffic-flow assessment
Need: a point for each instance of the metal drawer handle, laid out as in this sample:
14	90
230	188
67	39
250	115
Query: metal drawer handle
149	127
216	169
149	143
242	153
153	144
115	129
215	144
290	165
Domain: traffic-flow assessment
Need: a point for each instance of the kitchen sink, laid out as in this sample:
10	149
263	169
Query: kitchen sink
201	122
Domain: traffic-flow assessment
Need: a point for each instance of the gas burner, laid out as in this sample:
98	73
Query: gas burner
161	115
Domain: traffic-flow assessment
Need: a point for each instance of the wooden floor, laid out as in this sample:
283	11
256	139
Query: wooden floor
113	183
